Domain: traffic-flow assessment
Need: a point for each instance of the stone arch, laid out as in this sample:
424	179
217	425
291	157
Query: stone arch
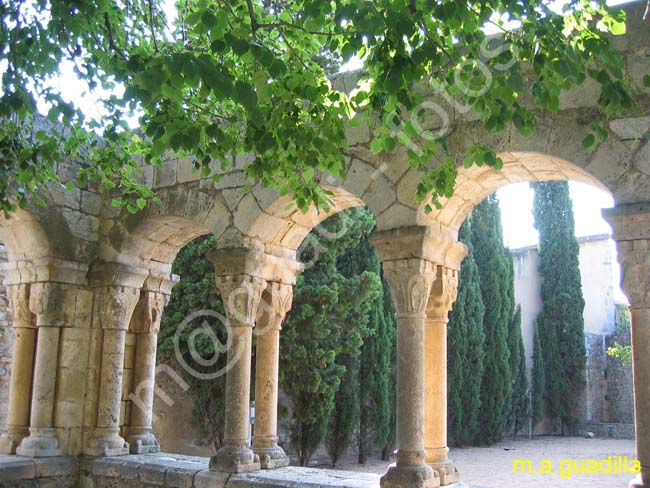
477	182
153	237
282	225
24	237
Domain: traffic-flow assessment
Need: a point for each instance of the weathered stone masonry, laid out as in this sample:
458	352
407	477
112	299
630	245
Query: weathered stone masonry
85	282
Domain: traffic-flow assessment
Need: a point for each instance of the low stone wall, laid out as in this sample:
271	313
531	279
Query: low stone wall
57	472
176	471
164	470
612	430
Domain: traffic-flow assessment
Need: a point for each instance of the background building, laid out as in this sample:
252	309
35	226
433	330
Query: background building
608	404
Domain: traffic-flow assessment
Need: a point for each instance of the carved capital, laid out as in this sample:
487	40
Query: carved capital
53	304
241	297
254	262
276	302
114	306
148	312
410	283
18	296
634	258
433	243
443	293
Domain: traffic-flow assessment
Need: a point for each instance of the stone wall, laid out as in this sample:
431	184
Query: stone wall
620	395
6	346
594	399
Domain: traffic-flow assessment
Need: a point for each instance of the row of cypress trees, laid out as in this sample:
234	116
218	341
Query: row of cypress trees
338	344
338	341
487	376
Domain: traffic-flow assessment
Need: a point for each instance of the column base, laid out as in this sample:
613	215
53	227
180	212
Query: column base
447	471
639	482
235	460
11	439
109	444
143	443
410	476
40	443
271	457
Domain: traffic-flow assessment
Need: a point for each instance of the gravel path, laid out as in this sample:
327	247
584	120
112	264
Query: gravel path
492	467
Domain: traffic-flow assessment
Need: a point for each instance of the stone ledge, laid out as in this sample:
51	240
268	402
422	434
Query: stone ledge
14	468
170	470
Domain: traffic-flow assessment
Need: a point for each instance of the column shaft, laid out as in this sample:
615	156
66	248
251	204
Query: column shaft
141	438
42	441
113	308
410	282
443	294
145	324
265	438
631	226
641	375
410	391
436	391
241	296
266	387
276	300
19	390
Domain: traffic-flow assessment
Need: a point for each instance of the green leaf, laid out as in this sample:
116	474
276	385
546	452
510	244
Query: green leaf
388	143
246	95
141	203
208	19
277	68
617	28
589	141
646	81
377	145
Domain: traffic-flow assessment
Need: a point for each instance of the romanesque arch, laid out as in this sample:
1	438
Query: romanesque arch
92	274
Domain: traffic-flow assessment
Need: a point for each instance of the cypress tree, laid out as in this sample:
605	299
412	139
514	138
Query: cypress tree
324	326
495	279
520	394
560	322
375	379
346	416
537	387
386	439
465	346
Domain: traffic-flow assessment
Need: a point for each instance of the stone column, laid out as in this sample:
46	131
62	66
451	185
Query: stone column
443	295
20	388
631	225
410	282
241	297
50	302
114	305
145	323
277	299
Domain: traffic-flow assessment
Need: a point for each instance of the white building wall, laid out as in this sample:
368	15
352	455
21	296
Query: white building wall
598	270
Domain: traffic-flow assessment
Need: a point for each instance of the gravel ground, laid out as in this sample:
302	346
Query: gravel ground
492	467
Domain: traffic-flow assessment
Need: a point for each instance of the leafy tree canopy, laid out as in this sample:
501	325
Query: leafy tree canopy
253	76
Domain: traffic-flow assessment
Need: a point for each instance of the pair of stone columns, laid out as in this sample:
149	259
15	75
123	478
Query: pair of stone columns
631	225
117	292
244	278
145	325
422	271
49	318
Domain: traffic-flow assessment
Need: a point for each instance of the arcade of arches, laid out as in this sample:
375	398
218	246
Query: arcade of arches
87	283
